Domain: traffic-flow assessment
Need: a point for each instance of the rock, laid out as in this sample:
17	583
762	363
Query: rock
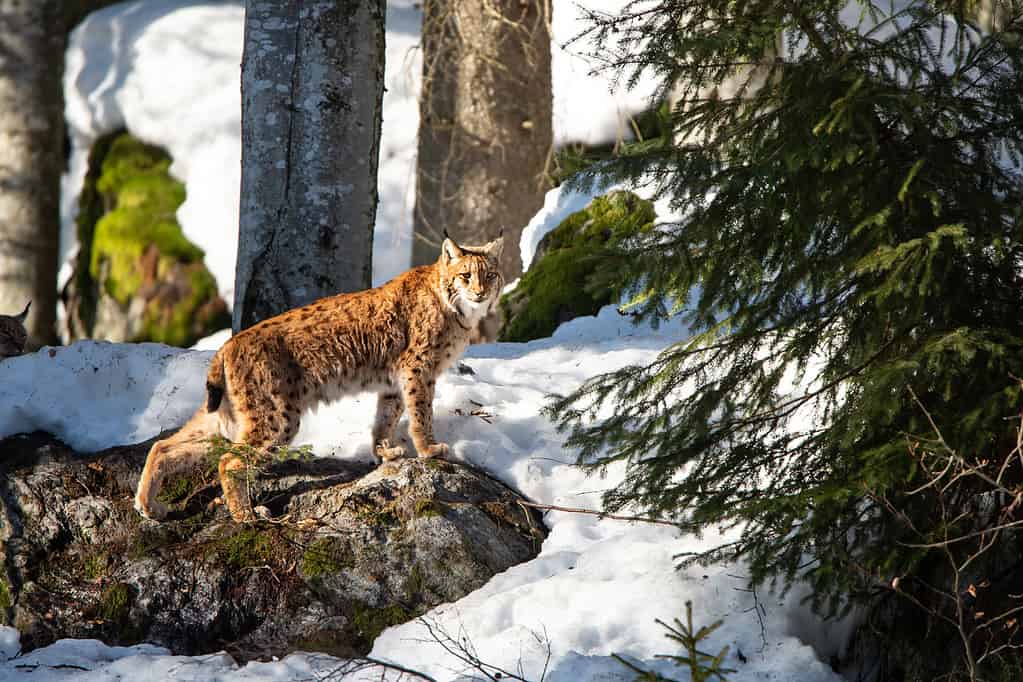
574	271
351	550
137	277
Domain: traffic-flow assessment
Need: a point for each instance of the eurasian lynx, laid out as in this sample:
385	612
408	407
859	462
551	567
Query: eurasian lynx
395	339
12	333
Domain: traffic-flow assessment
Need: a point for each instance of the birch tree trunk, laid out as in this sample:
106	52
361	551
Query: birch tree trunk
312	88
485	132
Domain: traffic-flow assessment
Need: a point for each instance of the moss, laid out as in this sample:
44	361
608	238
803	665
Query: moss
6	602
428	507
371	621
149	539
574	276
114	602
127	228
250	546
143	198
415	584
325	556
95	565
438	464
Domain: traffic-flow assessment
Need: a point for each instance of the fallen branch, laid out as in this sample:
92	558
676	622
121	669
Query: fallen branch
605	515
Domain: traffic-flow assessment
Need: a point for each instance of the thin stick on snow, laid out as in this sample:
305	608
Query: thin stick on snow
605	515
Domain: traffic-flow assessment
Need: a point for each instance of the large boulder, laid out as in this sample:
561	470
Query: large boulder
137	277
350	550
574	271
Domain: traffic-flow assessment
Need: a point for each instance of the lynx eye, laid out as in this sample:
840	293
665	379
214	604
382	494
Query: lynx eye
466	276
491	276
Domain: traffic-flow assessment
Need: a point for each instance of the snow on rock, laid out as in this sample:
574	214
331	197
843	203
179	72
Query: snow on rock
95	394
563	201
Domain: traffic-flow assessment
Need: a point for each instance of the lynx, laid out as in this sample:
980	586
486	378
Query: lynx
395	340
12	333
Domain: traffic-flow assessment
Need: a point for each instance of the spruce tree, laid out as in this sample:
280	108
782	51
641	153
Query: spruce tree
849	177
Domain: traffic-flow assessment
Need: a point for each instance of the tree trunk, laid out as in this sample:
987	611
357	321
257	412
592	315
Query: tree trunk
485	123
31	161
33	37
312	87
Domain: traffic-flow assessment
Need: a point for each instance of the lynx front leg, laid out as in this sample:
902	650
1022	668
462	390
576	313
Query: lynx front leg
182	451
419	400
389	409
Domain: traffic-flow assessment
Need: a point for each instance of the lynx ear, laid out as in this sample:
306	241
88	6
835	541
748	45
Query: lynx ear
494	248
450	251
24	314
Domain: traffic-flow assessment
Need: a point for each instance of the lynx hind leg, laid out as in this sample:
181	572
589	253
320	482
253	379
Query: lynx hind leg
389	409
181	452
262	435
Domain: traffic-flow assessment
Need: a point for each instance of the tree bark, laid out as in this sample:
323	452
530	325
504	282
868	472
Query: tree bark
485	131
31	161
312	88
33	38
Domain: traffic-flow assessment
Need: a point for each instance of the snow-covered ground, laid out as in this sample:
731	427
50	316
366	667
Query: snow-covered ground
595	589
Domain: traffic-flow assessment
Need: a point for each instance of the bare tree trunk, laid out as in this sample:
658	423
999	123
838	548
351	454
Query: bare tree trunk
33	37
485	123
312	87
31	160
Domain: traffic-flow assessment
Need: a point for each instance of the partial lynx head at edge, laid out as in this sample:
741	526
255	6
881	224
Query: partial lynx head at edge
13	335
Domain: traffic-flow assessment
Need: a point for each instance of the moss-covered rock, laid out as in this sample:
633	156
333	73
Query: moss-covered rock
322	574
561	284
138	278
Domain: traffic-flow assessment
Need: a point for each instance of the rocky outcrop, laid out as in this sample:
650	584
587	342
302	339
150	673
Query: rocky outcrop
137	277
349	551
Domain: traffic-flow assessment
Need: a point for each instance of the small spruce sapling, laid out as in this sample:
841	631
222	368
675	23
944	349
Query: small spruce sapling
701	665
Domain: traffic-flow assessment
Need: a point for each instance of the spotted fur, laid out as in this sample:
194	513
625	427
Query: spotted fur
395	340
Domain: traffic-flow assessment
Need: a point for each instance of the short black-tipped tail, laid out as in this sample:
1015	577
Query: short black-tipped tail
215	384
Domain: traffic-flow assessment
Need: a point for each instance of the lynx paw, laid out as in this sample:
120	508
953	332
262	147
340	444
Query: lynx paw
436	450
386	452
150	508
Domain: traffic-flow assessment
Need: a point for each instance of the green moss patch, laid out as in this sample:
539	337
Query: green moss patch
114	602
326	556
143	199
6	603
428	507
248	547
574	274
136	248
95	565
371	621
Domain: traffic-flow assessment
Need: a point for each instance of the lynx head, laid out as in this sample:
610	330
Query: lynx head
12	333
470	276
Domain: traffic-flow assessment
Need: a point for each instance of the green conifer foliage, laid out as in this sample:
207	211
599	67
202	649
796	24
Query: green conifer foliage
850	181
